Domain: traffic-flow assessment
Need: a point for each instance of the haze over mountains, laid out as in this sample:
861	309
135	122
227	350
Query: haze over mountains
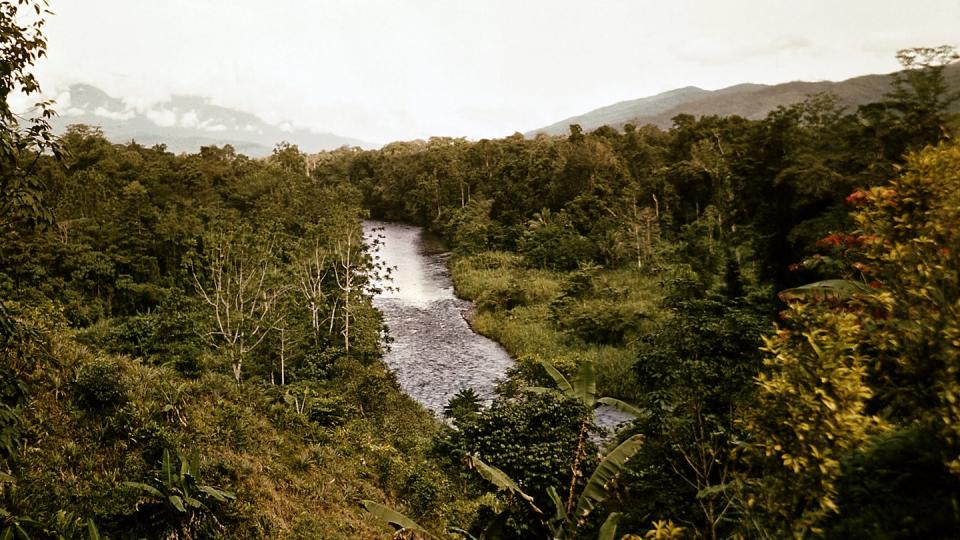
185	123
752	101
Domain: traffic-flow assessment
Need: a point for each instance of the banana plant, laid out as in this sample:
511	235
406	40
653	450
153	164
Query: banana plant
180	487
562	525
598	489
583	389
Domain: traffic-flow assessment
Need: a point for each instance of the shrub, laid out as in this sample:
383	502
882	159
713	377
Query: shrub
99	385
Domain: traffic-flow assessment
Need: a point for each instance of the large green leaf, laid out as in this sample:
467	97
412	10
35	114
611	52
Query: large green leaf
561	512
609	528
623	406
500	479
145	487
562	383
177	502
394	518
831	289
598	487
585	384
218	494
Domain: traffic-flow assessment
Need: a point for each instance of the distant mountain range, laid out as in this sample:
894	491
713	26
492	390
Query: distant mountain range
751	101
185	123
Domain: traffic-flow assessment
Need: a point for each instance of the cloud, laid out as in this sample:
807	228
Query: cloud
162	117
189	120
114	115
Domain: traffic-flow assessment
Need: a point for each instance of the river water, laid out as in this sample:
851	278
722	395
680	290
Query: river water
433	351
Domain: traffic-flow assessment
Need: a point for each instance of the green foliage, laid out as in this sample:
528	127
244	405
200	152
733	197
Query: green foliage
176	496
398	520
531	439
551	241
599	486
463	406
100	385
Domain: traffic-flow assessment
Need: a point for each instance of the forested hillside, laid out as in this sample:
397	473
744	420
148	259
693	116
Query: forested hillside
664	258
188	346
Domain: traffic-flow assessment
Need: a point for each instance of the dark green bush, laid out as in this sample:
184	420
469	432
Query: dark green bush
100	385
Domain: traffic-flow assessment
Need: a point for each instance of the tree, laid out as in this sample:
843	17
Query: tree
875	355
237	280
22	140
919	94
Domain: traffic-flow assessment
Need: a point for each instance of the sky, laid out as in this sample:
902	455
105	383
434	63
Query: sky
383	70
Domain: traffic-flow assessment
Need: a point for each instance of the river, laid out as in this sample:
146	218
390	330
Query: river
433	351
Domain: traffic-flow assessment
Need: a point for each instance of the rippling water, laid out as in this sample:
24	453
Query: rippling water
434	352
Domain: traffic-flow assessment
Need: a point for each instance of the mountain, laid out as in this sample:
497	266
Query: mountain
185	123
751	101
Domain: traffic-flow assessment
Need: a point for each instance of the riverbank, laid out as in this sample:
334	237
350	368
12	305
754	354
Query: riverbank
564	317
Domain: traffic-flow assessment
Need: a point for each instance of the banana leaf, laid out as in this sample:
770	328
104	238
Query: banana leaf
500	479
623	406
831	289
391	516
609	528
598	487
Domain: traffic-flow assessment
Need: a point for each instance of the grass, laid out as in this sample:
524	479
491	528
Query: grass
293	478
514	307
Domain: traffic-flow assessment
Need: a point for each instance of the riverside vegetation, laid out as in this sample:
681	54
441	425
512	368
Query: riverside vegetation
188	346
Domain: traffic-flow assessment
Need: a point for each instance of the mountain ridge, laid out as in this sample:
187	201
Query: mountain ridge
184	123
750	100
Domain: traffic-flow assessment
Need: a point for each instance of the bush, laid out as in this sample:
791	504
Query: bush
99	385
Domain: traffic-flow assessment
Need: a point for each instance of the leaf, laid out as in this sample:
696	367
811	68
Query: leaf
145	487
218	494
6	478
561	512
462	533
167	469
831	289
92	532
500	479
393	517
21	534
177	502
585	384
623	406
609	528
562	383
598	487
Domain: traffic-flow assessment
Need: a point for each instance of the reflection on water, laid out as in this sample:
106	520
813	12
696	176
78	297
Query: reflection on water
434	353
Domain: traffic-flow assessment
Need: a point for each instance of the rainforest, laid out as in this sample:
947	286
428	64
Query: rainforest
192	345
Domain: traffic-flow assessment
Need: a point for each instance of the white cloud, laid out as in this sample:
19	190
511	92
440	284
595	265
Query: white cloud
162	117
114	115
189	120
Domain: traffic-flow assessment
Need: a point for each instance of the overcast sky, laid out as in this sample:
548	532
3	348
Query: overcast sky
384	70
